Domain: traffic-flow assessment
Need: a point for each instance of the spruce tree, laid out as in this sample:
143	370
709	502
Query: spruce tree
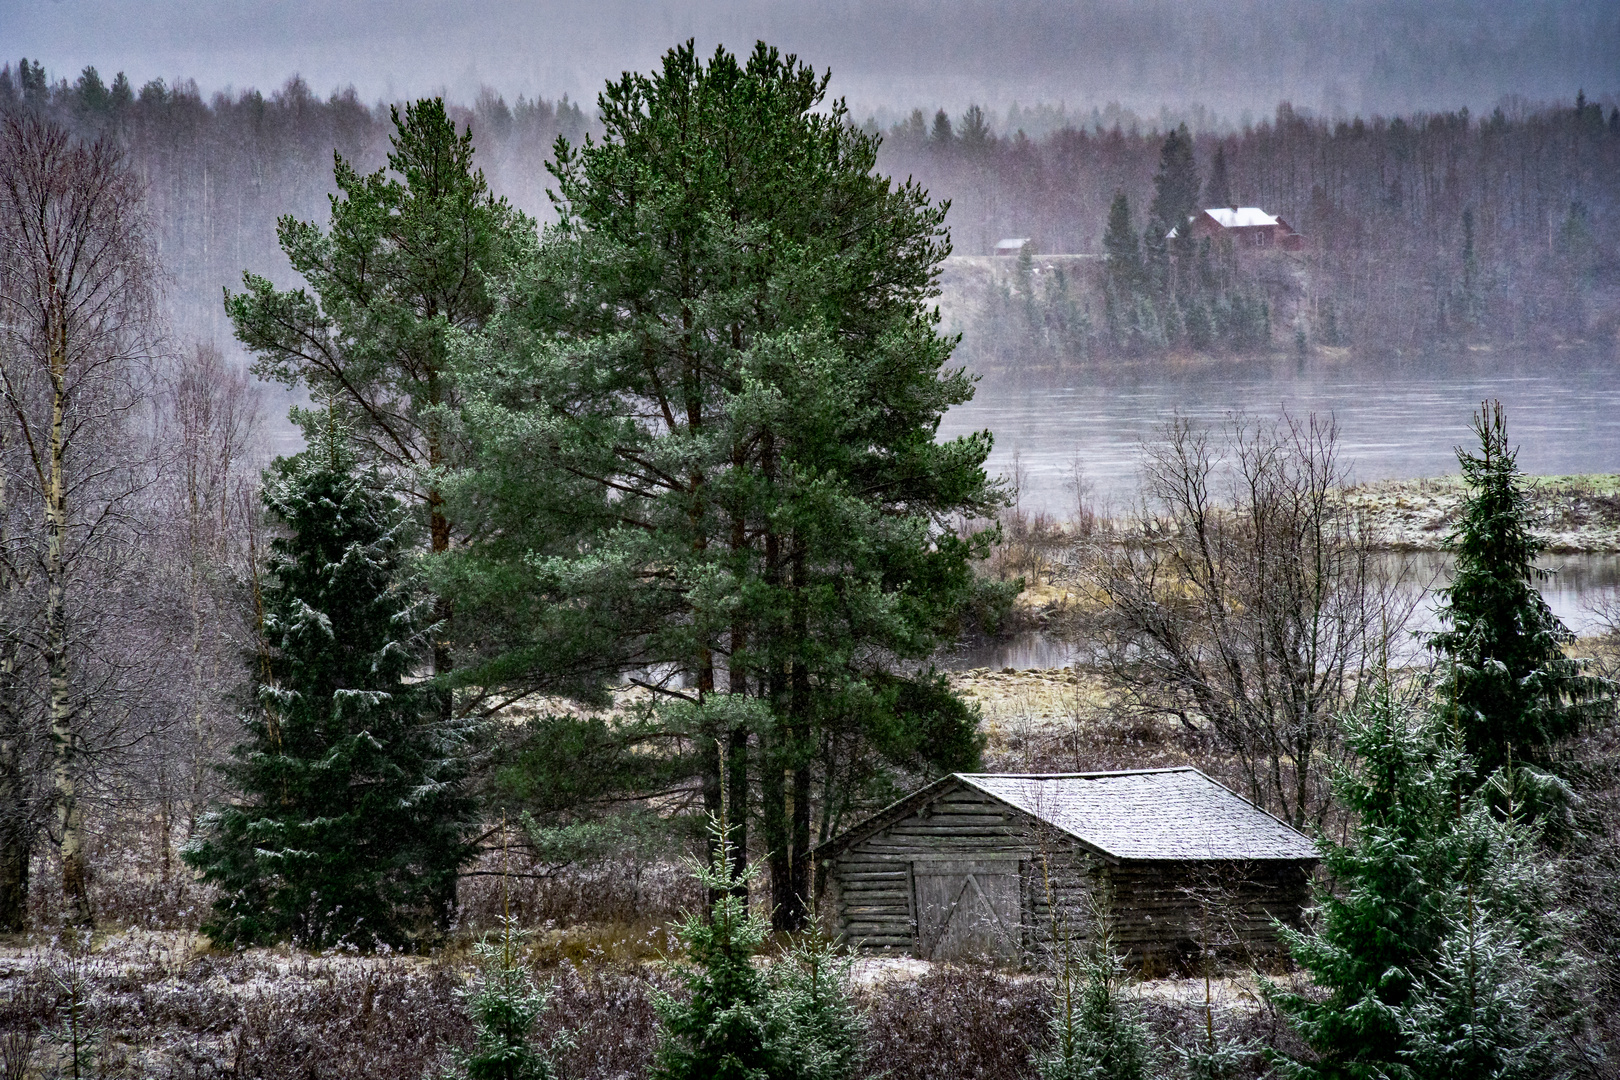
820	1026
350	822
1175	198
1385	915
1514	690
505	1002
1436	955
725	1028
1096	1033
1122	249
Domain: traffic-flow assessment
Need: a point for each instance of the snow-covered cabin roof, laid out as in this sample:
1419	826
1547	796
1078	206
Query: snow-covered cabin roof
1011	245
1240	217
1149	814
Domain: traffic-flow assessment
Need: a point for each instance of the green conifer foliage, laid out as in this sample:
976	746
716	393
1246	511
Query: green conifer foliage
1125	273
795	1021
1385	915
1097	1033
821	1026
707	424
726	1027
406	263
1514	690
1435	954
351	823
505	1003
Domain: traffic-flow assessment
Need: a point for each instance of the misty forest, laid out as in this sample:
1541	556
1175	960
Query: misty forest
589	589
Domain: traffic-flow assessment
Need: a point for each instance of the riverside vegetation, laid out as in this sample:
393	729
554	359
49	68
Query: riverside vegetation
495	730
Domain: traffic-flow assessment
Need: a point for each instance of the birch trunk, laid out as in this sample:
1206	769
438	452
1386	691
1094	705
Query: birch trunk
64	739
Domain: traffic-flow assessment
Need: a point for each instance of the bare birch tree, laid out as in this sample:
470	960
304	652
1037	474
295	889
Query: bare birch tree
77	315
1254	615
209	418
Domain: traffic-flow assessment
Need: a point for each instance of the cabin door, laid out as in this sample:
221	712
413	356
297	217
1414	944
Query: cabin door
968	910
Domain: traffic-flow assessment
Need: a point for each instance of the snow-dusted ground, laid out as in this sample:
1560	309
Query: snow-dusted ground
1572	513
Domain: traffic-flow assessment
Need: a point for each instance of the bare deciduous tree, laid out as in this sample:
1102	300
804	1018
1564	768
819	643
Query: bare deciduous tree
1254	615
208	426
77	319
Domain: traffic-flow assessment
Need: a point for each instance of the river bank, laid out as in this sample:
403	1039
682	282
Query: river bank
1572	514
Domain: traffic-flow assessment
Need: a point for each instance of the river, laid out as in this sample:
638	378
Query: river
1397	418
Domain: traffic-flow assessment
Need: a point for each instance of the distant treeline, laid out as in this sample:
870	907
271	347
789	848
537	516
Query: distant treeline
1424	229
1433	228
220	171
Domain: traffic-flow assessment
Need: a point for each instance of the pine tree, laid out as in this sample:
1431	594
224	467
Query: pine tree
406	262
723	363
351	823
1514	690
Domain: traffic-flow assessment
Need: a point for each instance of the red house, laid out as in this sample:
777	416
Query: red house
1245	227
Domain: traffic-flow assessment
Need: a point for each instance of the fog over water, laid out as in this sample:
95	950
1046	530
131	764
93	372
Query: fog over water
1397	418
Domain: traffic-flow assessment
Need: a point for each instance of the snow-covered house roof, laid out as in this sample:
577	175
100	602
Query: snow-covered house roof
1147	814
1011	246
1240	217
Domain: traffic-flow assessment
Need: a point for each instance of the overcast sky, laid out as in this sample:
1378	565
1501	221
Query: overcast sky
1230	55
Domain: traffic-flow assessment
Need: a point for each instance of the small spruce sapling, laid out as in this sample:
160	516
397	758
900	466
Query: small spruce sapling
726	1028
505	1002
820	1027
1096	1032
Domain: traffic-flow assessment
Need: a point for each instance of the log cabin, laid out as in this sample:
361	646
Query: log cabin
995	867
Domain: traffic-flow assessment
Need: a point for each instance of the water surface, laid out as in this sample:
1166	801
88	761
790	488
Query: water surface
1397	418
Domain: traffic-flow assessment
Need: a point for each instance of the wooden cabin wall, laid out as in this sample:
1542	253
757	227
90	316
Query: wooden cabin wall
871	894
1167	912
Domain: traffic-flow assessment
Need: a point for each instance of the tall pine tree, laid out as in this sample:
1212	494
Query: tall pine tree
1514	690
406	262
351	822
708	424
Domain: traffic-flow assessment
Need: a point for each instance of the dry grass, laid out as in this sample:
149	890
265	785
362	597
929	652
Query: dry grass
1573	513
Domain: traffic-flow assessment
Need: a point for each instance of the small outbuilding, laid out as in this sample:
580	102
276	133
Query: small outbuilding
992	865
